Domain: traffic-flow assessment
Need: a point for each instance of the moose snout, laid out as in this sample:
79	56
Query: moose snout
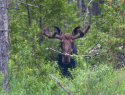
65	59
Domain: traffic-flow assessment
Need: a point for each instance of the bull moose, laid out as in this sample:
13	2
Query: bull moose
67	44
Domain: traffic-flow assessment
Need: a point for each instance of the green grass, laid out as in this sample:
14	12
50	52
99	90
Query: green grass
101	80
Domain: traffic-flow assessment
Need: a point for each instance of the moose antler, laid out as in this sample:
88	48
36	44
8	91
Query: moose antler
86	28
58	33
75	32
46	32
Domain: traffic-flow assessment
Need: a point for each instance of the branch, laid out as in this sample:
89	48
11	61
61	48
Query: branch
12	8
5	30
27	4
87	12
61	85
85	18
95	45
95	54
72	55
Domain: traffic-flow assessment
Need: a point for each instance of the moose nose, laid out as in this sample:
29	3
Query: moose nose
65	59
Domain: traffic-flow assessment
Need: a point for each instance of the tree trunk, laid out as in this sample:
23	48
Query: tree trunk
89	8
40	23
80	4
4	44
95	7
28	13
69	1
40	8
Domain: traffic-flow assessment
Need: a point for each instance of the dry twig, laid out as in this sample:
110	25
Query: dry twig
61	85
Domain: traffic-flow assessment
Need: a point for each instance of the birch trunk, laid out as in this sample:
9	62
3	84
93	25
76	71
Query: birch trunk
4	44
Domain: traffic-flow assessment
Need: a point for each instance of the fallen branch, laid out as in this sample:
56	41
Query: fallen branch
61	85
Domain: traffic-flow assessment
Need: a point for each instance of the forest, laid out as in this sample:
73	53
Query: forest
32	64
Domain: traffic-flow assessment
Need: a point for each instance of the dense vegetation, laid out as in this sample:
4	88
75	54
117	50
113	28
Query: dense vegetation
30	63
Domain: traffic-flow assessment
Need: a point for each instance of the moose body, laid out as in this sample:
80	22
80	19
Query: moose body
67	44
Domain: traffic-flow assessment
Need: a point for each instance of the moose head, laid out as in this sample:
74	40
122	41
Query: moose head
66	39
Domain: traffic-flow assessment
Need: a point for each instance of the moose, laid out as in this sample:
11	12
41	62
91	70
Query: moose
67	44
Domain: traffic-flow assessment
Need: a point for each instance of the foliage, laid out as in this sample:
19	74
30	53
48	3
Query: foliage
30	63
109	27
1	79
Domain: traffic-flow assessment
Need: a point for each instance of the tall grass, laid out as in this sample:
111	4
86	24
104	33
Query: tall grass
99	80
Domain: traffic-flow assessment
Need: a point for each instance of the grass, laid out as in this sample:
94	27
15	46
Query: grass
101	80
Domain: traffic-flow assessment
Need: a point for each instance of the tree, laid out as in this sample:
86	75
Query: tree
80	4
96	7
4	44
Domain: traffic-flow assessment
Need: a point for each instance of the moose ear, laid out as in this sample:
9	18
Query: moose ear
57	29
75	32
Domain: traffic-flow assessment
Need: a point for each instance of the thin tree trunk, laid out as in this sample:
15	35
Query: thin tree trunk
69	1
102	3
40	7
40	23
83	7
4	44
123	15
80	6
28	13
89	15
95	8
